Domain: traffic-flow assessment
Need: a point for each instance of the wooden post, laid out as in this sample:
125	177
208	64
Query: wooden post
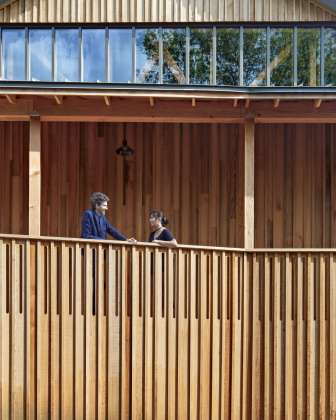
249	184
34	223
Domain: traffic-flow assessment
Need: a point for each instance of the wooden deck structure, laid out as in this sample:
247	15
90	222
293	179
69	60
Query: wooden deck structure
118	331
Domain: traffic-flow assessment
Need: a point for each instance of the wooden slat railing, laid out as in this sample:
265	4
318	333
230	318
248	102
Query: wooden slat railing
108	330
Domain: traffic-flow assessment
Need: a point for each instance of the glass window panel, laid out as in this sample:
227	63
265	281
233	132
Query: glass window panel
13	44
330	57
281	60
174	55
200	56
67	55
121	55
40	54
254	57
308	57
227	57
93	55
147	55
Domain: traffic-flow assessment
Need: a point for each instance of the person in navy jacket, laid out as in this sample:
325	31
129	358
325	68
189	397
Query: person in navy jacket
94	223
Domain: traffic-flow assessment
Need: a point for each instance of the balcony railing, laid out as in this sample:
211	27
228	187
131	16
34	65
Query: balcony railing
97	330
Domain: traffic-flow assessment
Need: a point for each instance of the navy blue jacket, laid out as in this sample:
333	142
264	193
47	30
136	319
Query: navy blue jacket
95	226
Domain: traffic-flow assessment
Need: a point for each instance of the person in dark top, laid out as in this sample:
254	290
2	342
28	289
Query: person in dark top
160	234
94	223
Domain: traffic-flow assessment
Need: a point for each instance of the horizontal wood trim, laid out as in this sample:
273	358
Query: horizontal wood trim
115	11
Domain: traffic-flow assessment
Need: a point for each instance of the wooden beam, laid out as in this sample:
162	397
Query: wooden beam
59	100
235	103
11	99
107	101
193	102
247	103
317	103
276	103
151	101
249	129
34	211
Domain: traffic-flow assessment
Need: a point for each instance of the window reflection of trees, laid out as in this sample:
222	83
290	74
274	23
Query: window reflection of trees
227	59
254	57
330	57
174	53
200	56
147	56
308	57
281	59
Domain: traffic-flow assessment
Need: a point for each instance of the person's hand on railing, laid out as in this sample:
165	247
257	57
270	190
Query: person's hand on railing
132	240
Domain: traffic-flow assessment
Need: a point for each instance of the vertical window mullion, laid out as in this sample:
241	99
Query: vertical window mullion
268	56
53	54
160	55
81	70
27	56
188	55
241	56
322	55
133	55
214	53
107	61
295	57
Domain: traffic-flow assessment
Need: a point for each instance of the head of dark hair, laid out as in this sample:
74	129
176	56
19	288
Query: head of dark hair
97	198
159	215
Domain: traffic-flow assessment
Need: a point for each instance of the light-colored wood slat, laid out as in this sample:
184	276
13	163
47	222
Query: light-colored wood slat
66	271
54	335
236	340
332	336
137	334
277	325
90	332
205	334
246	302
113	333
17	324
311	340
300	361
160	390
256	341
322	411
149	339
29	317
78	311
172	328
101	331
42	333
182	339
5	333
267	340
289	331
216	302
193	309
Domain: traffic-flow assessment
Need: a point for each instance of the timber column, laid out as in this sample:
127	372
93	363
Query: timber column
34	220
249	130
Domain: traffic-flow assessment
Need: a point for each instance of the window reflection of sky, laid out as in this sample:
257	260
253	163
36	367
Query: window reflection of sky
40	49
121	55
94	55
67	55
147	56
13	44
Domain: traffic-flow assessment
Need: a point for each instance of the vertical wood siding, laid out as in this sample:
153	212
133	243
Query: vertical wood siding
295	184
79	11
192	172
14	142
111	331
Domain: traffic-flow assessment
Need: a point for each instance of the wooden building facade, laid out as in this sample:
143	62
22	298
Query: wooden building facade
229	107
